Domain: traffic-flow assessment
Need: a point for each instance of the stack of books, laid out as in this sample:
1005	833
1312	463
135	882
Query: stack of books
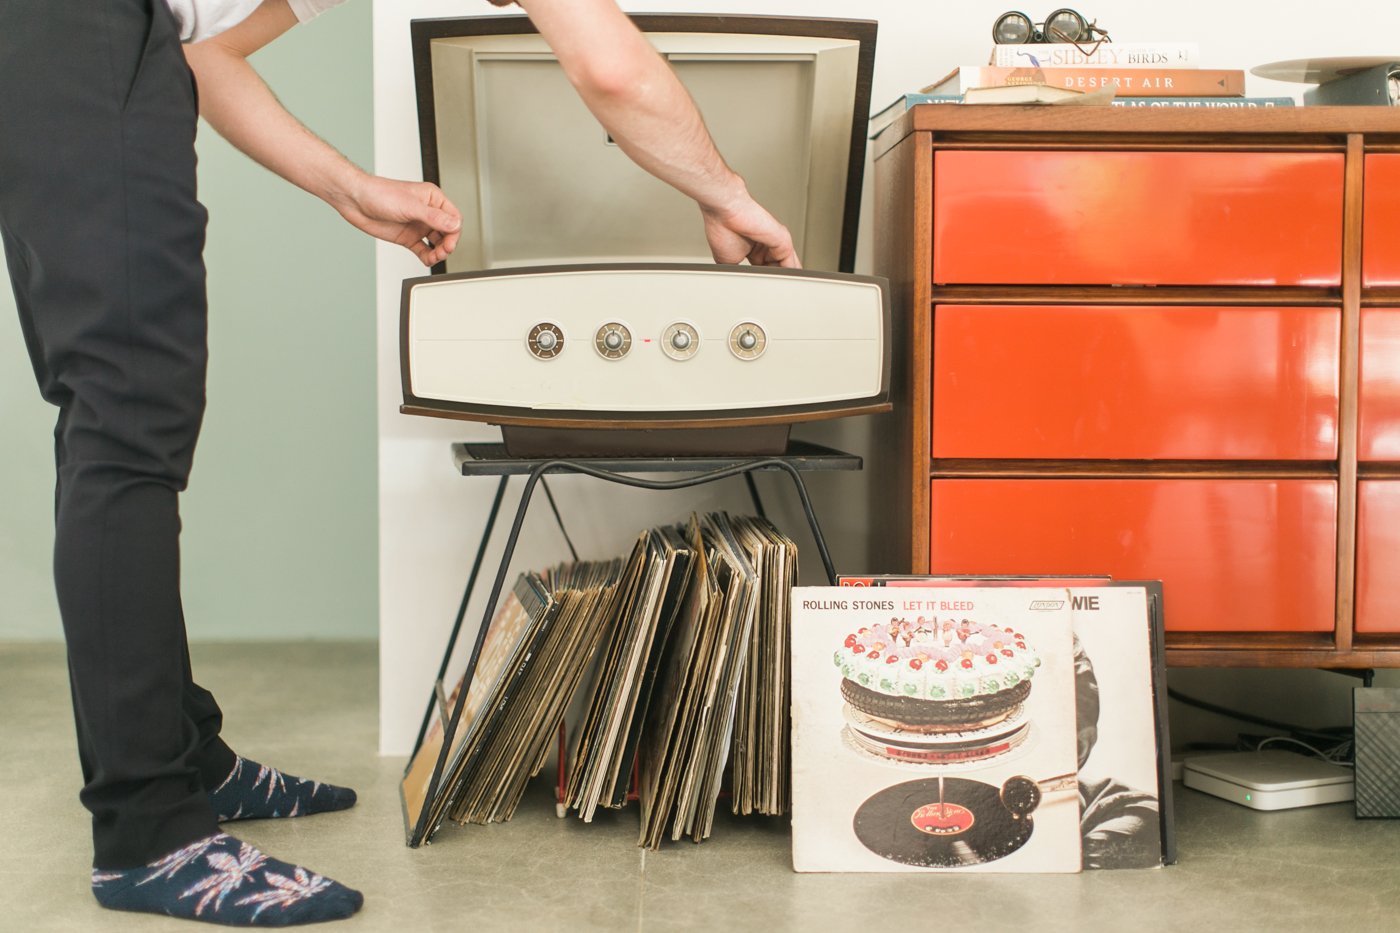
1123	74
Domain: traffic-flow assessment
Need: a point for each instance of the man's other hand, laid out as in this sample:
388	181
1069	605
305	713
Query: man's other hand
415	215
649	114
747	231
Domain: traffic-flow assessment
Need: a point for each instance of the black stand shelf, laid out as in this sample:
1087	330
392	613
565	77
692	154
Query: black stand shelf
492	460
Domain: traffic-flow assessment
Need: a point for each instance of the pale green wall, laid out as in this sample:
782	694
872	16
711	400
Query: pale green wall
280	517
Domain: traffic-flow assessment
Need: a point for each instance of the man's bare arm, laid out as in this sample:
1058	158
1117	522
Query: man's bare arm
647	111
237	103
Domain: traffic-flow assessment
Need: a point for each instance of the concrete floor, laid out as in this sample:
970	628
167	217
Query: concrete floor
1314	869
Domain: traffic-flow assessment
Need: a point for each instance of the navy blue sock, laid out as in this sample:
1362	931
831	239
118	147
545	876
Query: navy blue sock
255	792
219	879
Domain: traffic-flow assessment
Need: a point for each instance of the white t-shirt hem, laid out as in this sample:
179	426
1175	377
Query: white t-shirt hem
200	19
310	9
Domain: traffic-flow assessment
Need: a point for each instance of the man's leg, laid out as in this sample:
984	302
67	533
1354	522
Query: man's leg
104	236
240	789
213	758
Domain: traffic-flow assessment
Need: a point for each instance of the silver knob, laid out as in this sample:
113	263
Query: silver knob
747	340
680	341
612	340
545	341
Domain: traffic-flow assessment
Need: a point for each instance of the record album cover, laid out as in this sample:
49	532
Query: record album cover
1120	696
934	729
505	643
1124	791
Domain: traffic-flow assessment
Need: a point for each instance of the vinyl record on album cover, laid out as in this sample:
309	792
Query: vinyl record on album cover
940	823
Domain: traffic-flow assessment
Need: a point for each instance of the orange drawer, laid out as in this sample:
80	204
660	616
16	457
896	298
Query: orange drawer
1136	383
1232	555
1378	556
1380	234
1378	414
1137	218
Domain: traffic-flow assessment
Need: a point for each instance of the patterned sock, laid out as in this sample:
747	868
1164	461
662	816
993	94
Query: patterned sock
255	792
219	879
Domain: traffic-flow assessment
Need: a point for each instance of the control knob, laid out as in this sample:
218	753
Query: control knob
747	340
613	340
545	341
680	341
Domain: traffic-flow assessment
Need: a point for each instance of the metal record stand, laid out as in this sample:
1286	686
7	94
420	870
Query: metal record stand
492	460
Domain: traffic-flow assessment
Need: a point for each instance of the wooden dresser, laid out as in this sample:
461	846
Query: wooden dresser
1159	344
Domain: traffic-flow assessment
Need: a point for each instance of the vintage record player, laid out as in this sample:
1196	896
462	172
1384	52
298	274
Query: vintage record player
581	311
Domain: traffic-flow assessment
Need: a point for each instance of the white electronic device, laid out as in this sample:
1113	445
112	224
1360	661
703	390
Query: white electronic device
1269	779
582	310
645	346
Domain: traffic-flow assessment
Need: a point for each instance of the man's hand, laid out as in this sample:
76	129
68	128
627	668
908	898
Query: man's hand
415	215
236	102
649	114
748	232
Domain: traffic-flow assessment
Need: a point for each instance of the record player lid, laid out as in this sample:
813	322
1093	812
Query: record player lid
539	182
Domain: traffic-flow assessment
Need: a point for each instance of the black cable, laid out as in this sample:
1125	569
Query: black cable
558	518
753	494
1329	733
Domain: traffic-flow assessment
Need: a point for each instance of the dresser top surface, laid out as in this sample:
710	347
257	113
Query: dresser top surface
990	120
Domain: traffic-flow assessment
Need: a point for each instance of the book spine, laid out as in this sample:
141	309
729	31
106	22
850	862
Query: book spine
1242	102
1104	55
1127	82
880	121
911	100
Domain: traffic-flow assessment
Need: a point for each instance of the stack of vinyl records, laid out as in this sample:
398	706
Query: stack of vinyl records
715	688
657	575
763	721
678	659
534	658
689	734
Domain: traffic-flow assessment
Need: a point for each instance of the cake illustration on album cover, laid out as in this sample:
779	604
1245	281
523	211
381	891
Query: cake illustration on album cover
935	691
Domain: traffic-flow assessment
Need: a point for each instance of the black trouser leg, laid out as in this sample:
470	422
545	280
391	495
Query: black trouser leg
212	757
104	237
